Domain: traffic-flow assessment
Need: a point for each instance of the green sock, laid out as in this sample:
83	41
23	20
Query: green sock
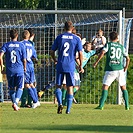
103	97
29	100
64	92
125	96
24	97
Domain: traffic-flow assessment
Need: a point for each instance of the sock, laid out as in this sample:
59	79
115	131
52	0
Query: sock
74	91
35	93
125	96
12	96
69	102
29	100
18	95
103	97
64	99
1	92
58	94
31	93
24	96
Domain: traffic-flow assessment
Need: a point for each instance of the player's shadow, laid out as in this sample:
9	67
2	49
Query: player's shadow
84	128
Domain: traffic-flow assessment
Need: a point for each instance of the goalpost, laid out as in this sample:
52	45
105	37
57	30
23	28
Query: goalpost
47	24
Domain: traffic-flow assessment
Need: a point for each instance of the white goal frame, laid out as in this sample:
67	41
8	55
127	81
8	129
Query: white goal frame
119	12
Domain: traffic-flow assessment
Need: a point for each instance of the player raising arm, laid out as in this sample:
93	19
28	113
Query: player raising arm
114	68
67	45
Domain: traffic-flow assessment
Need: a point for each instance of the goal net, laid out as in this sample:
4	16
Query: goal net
47	25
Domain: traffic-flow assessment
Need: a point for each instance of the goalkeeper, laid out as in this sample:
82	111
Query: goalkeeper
87	53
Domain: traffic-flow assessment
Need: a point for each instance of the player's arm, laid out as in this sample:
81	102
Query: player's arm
1	60
24	64
127	63
81	70
99	58
52	53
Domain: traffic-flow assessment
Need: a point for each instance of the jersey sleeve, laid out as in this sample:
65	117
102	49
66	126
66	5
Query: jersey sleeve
3	48
92	52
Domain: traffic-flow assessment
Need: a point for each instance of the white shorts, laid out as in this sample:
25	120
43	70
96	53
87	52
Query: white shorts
76	78
110	76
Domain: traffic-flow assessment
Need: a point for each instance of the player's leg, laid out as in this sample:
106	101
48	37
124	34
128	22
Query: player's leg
109	77
58	92
12	92
122	82
125	96
1	92
64	92
32	78
103	96
29	100
19	83
24	97
47	87
70	83
35	94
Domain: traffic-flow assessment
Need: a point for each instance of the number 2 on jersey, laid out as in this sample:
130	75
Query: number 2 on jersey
66	45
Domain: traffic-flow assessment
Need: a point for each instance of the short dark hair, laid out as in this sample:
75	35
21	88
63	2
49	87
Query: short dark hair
68	25
113	35
13	33
31	31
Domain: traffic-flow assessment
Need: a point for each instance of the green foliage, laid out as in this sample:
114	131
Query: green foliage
67	4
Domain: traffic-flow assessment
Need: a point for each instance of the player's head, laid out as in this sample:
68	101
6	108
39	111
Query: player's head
32	34
13	33
87	47
31	31
113	36
68	26
100	33
25	34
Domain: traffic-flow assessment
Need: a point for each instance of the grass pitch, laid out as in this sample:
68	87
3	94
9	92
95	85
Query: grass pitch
83	119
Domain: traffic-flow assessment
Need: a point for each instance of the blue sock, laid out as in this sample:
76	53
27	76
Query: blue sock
58	94
12	95
31	93
18	94
35	93
69	102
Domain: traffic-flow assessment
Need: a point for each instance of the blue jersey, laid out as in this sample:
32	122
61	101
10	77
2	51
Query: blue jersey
14	56
30	53
86	56
67	44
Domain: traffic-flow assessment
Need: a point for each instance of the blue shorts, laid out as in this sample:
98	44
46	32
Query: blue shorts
29	77
15	81
69	78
